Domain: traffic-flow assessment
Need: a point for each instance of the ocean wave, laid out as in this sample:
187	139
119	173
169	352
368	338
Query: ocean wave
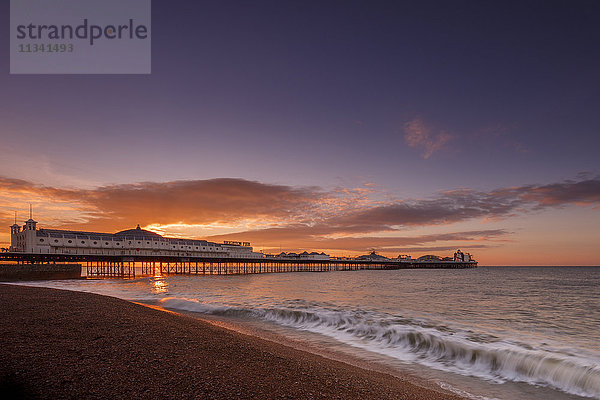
484	356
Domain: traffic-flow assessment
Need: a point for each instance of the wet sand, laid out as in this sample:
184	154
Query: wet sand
59	344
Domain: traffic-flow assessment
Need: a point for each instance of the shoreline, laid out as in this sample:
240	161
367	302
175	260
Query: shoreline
251	330
67	344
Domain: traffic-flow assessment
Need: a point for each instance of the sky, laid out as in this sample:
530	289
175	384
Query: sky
337	126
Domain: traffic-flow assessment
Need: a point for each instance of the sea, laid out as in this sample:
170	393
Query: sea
486	333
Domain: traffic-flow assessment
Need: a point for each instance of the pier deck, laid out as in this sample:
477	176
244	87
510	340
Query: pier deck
98	266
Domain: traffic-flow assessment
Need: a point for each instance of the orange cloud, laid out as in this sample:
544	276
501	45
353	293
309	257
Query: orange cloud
271	215
418	135
584	192
194	202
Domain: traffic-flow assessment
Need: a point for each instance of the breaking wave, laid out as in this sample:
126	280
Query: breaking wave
413	341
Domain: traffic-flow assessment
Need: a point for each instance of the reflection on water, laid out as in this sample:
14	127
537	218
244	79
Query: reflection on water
159	284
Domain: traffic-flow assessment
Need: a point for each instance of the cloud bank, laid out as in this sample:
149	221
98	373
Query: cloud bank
307	217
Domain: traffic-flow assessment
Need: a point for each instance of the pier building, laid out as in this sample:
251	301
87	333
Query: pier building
459	256
130	242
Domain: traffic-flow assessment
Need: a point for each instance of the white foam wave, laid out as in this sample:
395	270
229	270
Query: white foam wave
462	352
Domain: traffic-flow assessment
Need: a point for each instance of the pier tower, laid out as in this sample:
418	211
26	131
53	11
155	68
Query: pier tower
20	240
15	229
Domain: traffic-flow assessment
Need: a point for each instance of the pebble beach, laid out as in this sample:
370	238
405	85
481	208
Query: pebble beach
57	344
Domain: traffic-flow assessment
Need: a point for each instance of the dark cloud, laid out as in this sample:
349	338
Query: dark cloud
585	192
449	208
461	205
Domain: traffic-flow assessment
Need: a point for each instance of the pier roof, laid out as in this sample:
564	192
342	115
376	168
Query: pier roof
128	234
138	232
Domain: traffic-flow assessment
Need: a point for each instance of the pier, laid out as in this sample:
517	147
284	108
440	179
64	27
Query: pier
139	252
96	266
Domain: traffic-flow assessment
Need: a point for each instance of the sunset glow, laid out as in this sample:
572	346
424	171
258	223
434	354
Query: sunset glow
502	226
330	199
276	136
